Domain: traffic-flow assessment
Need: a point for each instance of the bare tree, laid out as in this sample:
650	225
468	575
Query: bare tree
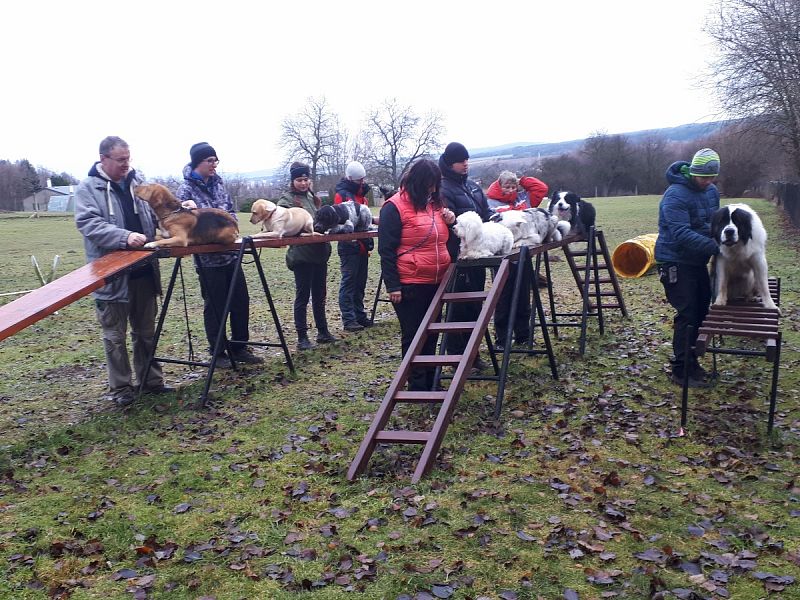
398	136
566	172
652	158
758	72
310	134
610	162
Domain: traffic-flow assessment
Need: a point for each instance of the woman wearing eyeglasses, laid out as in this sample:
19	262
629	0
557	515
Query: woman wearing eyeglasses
217	270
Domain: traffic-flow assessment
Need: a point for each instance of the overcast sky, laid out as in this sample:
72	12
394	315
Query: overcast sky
164	75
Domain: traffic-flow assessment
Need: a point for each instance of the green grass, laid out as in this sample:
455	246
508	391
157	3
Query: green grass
581	474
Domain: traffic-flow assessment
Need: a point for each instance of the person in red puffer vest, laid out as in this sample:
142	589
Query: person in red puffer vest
412	242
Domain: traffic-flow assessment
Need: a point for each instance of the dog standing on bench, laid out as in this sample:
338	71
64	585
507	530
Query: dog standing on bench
186	226
346	217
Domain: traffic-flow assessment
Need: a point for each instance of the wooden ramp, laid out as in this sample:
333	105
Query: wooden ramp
36	305
447	399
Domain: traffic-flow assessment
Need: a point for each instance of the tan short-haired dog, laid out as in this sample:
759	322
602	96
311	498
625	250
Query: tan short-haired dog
187	226
279	221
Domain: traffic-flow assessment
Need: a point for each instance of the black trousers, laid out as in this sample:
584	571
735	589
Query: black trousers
502	312
214	285
310	281
688	290
410	312
470	279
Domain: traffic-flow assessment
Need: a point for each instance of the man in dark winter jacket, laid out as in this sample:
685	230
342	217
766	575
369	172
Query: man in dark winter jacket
353	255
462	195
683	249
110	218
218	270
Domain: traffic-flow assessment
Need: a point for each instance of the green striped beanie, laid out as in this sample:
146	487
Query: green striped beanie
705	163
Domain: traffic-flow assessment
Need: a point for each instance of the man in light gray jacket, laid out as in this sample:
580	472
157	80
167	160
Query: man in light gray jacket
110	217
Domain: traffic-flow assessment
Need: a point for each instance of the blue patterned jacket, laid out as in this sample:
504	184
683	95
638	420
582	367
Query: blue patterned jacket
207	195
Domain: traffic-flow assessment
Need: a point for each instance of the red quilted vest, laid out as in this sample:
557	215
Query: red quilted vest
422	256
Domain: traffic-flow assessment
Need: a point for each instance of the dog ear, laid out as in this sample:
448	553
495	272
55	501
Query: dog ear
718	221
143	191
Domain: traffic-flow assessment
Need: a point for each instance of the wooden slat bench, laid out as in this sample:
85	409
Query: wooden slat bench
742	321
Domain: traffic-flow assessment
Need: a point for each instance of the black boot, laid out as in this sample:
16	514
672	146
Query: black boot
303	343
325	337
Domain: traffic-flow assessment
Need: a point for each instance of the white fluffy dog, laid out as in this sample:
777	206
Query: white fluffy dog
479	239
534	226
741	266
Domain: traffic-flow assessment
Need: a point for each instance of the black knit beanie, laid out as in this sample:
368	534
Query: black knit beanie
298	169
454	153
200	152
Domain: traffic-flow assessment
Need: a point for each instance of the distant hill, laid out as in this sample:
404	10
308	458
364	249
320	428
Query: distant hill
681	133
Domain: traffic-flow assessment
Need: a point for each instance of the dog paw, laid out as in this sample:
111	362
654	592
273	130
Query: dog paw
150	246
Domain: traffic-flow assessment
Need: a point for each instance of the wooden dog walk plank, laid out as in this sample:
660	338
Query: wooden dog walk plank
22	312
267	243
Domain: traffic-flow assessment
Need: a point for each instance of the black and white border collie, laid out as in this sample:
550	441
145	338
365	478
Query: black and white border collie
740	268
568	206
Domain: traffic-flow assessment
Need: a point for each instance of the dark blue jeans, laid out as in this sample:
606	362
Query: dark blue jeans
214	285
688	290
351	290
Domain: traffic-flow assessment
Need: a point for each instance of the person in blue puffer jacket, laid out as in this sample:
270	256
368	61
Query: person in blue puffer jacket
683	249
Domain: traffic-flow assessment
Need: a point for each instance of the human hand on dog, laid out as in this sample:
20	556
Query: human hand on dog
396	297
448	216
136	240
189	204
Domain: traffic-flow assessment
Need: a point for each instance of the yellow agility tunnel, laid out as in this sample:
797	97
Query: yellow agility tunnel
634	257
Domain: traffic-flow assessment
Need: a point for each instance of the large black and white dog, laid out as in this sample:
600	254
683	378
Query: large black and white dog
568	206
740	268
346	217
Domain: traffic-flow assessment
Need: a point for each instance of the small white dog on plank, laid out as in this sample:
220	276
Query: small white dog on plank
479	239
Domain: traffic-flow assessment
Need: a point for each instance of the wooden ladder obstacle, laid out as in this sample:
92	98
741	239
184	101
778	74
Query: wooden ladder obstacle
596	281
744	321
461	363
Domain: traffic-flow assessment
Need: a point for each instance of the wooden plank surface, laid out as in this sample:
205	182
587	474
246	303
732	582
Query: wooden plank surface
46	300
36	305
22	312
269	243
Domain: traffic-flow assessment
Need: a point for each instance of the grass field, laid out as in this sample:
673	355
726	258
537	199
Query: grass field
581	491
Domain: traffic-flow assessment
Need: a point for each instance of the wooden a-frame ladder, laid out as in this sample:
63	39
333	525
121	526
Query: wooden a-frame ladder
595	279
447	399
